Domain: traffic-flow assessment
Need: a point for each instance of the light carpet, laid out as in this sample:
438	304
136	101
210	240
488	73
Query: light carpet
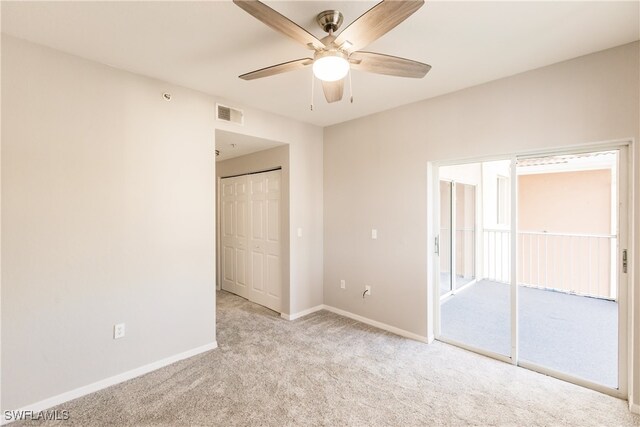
328	370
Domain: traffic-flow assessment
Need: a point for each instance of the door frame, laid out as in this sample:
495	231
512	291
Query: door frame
625	239
283	232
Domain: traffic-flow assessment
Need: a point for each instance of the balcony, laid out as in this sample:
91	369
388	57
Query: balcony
574	334
568	314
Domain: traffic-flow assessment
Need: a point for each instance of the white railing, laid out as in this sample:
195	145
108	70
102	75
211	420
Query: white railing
582	264
575	263
497	255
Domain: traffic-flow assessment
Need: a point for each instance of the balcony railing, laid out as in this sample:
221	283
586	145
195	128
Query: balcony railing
582	264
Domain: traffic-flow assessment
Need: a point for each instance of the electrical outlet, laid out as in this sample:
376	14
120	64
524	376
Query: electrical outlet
367	290
118	331
343	284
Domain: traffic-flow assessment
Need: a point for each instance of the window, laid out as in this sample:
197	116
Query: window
503	200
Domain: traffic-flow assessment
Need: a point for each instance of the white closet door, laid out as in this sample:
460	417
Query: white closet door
265	240
234	235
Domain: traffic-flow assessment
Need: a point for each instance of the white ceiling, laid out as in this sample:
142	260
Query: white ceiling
206	45
231	144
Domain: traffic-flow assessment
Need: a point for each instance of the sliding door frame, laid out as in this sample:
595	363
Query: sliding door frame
625	303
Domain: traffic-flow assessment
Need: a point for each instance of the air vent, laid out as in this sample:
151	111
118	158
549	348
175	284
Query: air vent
228	114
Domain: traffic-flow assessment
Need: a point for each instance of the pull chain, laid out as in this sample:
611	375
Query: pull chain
312	83
350	86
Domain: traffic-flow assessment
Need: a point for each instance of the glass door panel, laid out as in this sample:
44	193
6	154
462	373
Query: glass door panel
567	279
477	313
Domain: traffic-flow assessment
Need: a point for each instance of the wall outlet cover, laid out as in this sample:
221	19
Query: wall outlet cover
118	331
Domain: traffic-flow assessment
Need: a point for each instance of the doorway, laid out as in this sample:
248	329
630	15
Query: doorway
250	226
549	291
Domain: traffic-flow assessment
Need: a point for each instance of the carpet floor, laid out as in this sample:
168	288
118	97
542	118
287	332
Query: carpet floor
328	370
568	333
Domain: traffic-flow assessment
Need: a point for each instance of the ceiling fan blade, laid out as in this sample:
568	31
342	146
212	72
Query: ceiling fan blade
387	64
376	22
278	22
333	90
277	69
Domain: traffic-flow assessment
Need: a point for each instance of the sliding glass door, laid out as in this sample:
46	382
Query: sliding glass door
543	286
568	296
472	313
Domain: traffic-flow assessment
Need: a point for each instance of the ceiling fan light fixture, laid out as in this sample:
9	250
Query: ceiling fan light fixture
330	66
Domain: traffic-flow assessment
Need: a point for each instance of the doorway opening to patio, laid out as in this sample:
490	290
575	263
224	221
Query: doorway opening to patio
529	256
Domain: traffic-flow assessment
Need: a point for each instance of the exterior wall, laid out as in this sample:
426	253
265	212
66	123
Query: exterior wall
565	202
556	204
468	179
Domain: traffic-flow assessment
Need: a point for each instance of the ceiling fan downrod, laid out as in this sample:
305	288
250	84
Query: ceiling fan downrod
329	20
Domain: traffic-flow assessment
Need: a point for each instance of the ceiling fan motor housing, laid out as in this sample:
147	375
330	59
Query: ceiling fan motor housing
330	20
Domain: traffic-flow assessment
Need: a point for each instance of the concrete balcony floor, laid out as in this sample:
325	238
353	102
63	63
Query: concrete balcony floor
572	334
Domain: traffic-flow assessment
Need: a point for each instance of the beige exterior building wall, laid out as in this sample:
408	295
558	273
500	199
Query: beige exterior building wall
565	202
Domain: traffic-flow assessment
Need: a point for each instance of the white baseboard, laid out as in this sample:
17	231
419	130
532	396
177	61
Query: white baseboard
377	324
302	313
634	407
108	382
359	318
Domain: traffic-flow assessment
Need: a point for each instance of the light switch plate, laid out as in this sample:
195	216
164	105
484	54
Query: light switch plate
343	284
374	233
299	232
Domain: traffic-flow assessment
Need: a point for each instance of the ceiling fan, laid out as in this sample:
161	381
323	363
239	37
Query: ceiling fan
334	55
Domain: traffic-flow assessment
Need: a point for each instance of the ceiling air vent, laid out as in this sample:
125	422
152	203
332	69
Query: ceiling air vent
228	114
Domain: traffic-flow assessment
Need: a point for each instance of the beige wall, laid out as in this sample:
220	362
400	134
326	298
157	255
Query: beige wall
565	202
576	202
108	216
261	161
376	169
468	179
490	173
466	231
